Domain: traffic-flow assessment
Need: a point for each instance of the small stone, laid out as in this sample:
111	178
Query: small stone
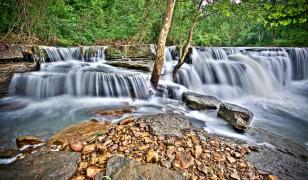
185	160
198	151
80	177
234	175
147	140
144	147
165	163
272	177
203	168
76	146
83	164
102	158
113	148
101	148
92	171
108	142
127	121
231	159
88	149
94	159
151	156
27	140
237	155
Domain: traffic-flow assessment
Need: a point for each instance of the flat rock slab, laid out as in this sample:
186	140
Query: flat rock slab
146	66
166	123
42	165
282	165
79	132
124	168
282	144
200	102
239	117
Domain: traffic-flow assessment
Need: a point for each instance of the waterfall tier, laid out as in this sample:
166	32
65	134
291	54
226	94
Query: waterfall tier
234	71
79	79
83	53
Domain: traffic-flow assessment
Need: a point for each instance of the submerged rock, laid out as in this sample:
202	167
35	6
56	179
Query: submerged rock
42	165
239	117
115	111
119	167
200	102
27	140
166	123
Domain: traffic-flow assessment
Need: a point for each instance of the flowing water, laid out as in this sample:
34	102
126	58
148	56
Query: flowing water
75	82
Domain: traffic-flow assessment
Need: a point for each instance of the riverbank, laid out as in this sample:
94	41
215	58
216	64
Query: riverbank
163	145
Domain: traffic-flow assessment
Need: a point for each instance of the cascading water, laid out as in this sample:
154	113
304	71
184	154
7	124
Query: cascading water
83	53
240	70
67	75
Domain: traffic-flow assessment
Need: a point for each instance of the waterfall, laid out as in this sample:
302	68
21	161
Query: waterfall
79	79
234	71
83	53
299	60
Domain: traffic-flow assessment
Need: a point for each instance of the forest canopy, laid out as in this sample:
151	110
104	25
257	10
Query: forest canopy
86	22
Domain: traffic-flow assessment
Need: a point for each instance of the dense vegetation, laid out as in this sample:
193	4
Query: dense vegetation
73	22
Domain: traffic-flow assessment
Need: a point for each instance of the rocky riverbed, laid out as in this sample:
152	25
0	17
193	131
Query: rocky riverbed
163	145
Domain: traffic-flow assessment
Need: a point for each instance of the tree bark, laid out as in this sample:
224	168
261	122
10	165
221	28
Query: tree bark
160	52
188	42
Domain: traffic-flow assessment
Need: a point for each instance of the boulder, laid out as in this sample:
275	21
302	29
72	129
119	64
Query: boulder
27	140
166	123
119	167
79	133
200	102
239	117
42	165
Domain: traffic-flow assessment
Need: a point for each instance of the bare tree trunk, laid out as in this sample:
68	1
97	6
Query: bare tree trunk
188	42
185	49
160	52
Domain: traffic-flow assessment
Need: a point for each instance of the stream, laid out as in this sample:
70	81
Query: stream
271	82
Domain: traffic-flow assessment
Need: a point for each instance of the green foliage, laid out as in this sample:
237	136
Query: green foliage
73	22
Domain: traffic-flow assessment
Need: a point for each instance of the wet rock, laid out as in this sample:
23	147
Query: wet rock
281	143
93	171
119	167
42	165
282	165
200	102
8	153
115	111
166	123
144	65
27	140
79	132
129	51
239	117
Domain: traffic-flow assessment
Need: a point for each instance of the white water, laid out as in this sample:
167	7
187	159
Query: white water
67	90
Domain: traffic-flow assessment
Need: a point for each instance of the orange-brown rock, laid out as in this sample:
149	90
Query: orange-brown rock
79	133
